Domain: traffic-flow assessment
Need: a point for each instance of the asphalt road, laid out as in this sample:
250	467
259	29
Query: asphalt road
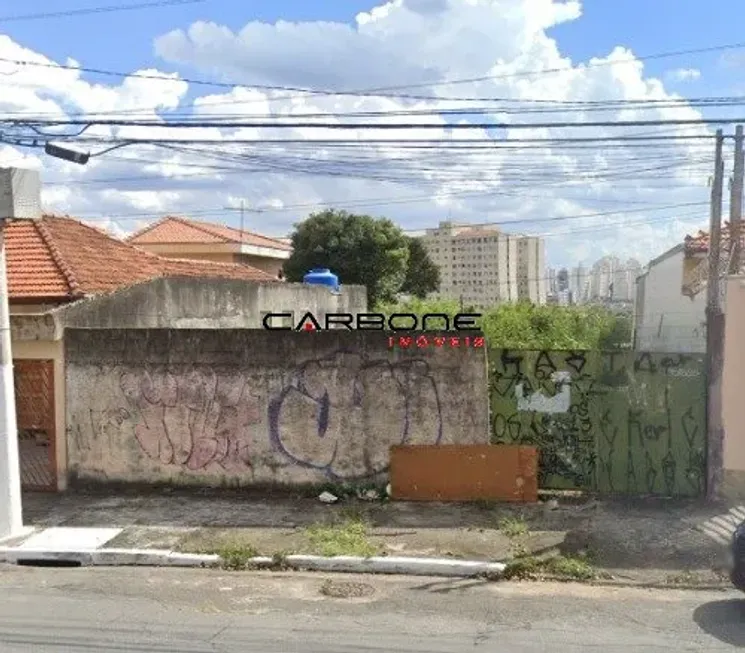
179	611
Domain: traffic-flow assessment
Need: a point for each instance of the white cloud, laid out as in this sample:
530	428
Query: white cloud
685	74
419	44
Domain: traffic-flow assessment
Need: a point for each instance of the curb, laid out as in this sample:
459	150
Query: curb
443	567
109	557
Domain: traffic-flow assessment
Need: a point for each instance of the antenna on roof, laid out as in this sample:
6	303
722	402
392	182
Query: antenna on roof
242	208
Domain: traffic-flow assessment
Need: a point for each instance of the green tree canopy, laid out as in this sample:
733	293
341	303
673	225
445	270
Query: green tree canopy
422	275
526	326
360	249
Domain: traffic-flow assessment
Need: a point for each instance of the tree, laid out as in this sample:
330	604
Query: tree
526	326
422	275
360	249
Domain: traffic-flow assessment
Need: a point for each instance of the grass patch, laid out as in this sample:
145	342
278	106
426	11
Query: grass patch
347	538
531	568
513	526
235	556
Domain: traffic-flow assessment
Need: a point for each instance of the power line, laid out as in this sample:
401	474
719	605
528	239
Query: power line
240	124
375	92
501	223
495	144
549	107
96	10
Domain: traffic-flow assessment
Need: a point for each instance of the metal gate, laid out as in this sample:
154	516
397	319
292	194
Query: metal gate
34	388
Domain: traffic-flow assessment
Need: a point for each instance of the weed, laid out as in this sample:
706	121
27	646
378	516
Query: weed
531	568
279	561
574	568
522	568
236	556
513	526
348	538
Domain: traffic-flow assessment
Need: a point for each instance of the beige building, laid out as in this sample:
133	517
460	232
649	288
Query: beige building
484	266
176	237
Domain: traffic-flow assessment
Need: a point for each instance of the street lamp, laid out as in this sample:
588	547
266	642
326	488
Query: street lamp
73	156
66	155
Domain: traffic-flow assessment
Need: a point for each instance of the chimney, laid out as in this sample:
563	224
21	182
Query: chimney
20	193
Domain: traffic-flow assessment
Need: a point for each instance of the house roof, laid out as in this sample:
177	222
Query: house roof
664	256
699	244
60	259
173	230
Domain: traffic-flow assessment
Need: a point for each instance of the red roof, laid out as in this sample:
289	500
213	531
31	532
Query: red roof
60	259
174	230
699	244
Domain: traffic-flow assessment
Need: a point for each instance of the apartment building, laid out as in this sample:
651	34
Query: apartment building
579	285
482	266
614	280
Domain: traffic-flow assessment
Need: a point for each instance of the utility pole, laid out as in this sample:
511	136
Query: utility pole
735	206
715	332
11	515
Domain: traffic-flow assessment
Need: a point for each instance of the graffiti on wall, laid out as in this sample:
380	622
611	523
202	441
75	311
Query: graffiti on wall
340	414
613	422
336	415
192	417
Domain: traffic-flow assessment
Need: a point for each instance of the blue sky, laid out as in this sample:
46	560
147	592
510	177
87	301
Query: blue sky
123	40
423	43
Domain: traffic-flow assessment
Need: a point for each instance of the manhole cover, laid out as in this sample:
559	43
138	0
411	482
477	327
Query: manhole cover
346	590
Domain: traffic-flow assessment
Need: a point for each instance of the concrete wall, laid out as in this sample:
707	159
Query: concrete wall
667	320
250	407
183	303
27	327
733	382
626	422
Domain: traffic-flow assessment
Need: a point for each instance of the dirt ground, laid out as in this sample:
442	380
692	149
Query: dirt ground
618	534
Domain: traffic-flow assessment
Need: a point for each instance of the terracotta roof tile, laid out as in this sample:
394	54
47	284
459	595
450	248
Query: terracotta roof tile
60	258
699	244
176	230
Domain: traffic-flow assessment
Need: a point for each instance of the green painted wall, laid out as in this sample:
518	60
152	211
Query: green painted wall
626	422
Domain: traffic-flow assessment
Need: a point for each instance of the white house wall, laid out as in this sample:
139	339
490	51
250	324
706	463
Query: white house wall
667	320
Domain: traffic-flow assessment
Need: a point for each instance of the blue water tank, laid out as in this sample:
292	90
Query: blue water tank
322	277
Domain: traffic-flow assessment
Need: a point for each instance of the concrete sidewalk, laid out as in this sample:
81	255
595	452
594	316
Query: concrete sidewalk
629	537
